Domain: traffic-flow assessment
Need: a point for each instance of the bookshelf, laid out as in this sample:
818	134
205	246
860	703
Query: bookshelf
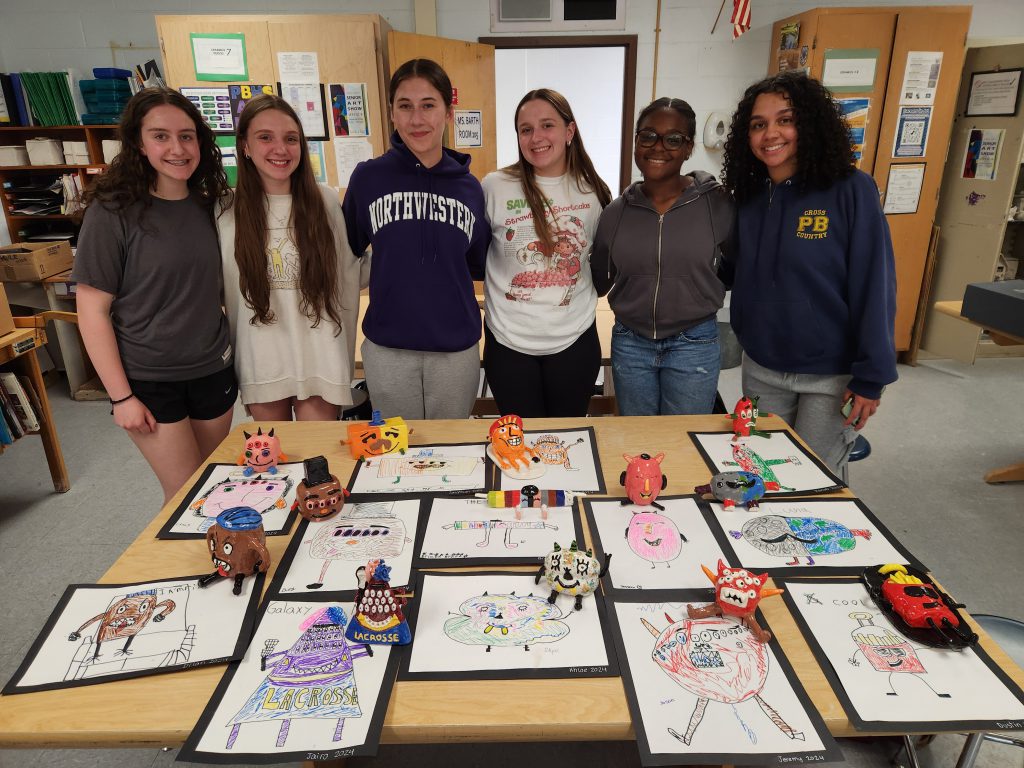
27	226
18	353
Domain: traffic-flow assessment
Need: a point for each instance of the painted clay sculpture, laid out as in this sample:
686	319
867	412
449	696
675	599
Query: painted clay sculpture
125	619
917	608
529	496
508	444
737	489
378	614
744	419
238	547
737	593
319	495
643	480
573	572
377	437
262	453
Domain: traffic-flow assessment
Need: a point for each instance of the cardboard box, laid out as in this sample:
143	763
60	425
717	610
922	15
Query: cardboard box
13	155
998	306
34	261
6	321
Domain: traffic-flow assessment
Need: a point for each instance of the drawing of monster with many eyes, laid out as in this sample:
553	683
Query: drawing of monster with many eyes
506	621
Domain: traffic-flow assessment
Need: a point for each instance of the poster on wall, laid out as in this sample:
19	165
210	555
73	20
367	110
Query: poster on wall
850	70
912	132
307	99
240	95
981	155
349	152
789	56
348	109
214	104
921	78
317	161
219	56
994	93
228	158
855	111
903	189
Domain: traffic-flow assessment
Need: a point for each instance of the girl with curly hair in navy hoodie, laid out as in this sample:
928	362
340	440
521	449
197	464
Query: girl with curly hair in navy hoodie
814	293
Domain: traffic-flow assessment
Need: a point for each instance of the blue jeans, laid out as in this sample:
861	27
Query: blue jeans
677	375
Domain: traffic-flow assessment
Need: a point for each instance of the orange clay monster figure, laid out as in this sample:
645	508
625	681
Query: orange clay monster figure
737	593
262	453
509	445
125	619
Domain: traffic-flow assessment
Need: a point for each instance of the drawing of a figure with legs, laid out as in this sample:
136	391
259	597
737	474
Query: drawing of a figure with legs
360	533
654	538
124	619
716	659
750	461
315	677
507	525
506	621
887	651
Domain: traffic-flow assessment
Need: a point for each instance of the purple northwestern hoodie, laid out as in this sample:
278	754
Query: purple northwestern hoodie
428	232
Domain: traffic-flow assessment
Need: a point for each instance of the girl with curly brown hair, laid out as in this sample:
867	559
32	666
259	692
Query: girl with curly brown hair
814	292
149	286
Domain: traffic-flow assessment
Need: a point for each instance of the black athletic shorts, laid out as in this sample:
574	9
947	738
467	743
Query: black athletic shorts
204	398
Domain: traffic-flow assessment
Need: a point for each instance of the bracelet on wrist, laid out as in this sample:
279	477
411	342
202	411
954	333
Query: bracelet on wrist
127	397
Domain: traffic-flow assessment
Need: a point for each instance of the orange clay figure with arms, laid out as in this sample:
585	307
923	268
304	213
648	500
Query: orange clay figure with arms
509	444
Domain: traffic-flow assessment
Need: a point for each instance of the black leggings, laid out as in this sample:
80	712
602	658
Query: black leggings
535	386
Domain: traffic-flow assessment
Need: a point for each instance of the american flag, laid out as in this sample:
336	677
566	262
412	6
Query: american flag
740	17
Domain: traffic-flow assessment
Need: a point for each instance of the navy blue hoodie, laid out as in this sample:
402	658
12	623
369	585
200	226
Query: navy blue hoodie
429	236
815	282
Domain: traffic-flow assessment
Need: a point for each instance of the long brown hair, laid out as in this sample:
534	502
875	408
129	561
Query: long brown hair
314	239
578	165
130	177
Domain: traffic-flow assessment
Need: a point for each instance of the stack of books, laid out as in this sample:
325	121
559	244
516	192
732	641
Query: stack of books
39	98
105	97
19	408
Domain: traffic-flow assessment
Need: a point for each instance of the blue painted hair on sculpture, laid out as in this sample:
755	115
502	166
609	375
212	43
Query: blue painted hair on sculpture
382	572
239	519
336	615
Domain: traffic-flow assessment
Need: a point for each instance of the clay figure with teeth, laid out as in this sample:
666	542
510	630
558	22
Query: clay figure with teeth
238	547
737	593
125	619
508	448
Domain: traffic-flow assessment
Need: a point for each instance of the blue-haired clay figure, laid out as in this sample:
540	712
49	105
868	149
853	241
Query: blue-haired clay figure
378	614
238	546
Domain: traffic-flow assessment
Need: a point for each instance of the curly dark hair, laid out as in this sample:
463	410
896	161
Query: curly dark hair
130	177
824	152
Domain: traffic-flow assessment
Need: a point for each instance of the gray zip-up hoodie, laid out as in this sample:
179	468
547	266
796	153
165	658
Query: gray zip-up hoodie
664	270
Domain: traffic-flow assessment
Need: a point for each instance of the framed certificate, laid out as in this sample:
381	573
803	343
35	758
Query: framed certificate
994	93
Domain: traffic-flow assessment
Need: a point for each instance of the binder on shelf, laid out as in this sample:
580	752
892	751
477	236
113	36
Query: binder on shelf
20	100
20	402
14	423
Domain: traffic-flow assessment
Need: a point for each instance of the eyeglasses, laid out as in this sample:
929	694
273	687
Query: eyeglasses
669	141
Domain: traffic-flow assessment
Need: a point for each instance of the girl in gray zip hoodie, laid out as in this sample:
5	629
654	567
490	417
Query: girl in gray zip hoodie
659	248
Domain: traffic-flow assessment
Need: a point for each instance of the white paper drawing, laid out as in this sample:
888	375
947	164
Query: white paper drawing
106	632
224	486
834	533
569	460
654	549
329	552
423	468
301	686
885	676
707	686
467	529
777	460
481	622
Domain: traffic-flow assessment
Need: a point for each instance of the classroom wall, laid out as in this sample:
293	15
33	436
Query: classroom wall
708	71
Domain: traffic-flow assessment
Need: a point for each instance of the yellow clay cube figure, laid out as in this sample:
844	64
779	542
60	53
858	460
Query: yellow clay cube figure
378	437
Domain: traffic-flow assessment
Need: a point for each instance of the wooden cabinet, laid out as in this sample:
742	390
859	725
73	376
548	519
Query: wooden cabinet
894	33
979	240
24	226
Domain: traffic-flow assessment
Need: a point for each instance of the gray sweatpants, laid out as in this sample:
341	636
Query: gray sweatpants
810	403
421	385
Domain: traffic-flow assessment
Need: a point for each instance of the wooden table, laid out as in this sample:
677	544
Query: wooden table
20	347
1015	472
161	710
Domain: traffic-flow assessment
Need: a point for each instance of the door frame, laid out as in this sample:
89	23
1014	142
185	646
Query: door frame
629	42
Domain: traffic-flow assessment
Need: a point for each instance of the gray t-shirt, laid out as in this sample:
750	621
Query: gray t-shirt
163	270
